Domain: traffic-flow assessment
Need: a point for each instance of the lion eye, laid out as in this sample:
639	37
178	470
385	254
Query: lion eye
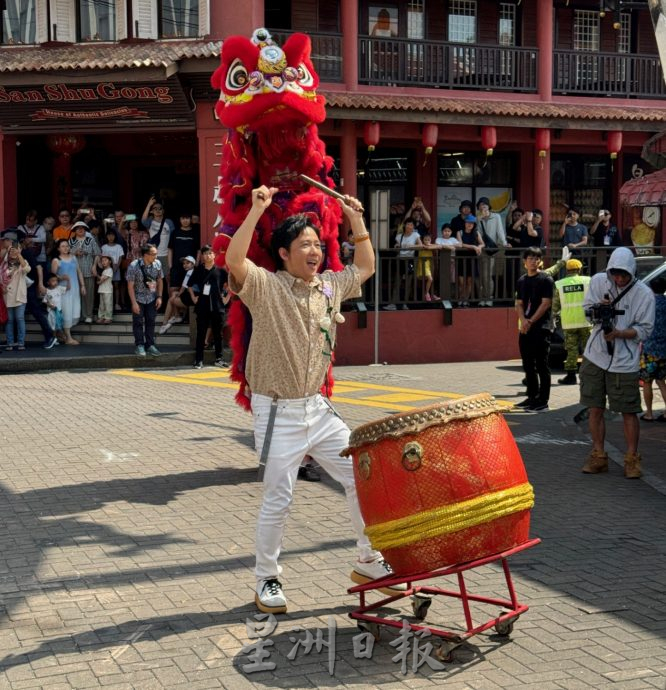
305	78
237	76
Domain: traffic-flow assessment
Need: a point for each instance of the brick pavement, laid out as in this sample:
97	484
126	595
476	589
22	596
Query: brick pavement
128	512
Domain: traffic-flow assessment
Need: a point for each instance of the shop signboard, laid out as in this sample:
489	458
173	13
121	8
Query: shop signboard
106	105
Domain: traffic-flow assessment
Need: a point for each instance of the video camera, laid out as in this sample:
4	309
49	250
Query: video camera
604	314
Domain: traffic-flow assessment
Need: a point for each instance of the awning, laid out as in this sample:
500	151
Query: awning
649	190
103	56
654	150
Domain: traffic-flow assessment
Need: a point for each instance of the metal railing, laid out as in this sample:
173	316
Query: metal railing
326	52
440	64
607	74
469	281
406	62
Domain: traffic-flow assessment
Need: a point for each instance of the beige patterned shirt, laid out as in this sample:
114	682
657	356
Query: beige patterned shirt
289	350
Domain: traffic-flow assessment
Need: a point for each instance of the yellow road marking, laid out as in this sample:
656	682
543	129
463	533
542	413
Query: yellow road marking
340	387
398	389
365	402
173	379
206	375
388	401
401	397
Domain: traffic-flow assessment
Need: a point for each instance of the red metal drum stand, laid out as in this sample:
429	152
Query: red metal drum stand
421	597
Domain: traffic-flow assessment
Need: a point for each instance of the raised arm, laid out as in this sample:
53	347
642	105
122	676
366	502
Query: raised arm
236	256
426	217
146	211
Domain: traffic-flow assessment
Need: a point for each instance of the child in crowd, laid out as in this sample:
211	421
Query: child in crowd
114	250
53	301
424	268
180	300
448	243
348	249
105	291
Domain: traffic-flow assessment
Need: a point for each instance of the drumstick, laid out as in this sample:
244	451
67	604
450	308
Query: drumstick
324	188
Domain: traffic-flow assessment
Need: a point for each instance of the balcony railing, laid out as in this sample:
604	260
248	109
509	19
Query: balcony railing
406	62
466	281
326	53
608	74
438	64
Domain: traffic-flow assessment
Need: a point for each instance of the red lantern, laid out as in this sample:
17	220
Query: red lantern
614	143
65	144
488	139
371	134
429	137
543	142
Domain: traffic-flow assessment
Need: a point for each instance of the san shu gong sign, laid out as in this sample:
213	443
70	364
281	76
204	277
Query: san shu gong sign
102	106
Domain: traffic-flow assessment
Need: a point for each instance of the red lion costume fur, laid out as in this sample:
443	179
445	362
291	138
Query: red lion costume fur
269	104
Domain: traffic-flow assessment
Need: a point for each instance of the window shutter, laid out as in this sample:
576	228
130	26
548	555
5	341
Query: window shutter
121	19
204	18
42	30
145	13
63	16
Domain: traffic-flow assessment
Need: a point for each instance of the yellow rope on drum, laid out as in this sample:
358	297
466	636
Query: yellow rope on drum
450	518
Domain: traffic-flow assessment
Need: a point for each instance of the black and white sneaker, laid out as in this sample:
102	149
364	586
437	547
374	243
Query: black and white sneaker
50	342
375	570
198	365
269	596
528	402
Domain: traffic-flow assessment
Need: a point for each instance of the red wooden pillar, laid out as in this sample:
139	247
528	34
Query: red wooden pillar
541	189
545	44
209	137
348	162
8	189
349	19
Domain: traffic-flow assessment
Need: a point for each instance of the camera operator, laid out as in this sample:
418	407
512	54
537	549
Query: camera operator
572	233
622	312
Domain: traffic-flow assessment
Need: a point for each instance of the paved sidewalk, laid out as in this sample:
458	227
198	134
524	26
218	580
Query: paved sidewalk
128	505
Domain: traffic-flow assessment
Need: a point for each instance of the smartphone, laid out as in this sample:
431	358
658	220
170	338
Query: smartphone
130	216
84	210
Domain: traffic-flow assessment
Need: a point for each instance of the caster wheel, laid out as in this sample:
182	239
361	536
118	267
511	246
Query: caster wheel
420	606
504	629
444	653
368	627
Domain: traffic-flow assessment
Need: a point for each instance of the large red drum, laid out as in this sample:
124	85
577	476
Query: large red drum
441	485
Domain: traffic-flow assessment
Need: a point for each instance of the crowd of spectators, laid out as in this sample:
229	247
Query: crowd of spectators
486	251
74	269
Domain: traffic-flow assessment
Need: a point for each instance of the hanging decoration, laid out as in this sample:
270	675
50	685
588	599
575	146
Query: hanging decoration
65	144
429	137
542	144
371	134
488	139
614	143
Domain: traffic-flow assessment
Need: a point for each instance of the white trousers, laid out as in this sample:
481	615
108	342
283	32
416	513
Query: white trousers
303	426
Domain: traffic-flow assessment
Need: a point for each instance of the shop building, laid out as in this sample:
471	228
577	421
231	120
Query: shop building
109	102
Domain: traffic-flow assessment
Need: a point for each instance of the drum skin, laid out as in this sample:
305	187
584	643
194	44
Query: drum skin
441	485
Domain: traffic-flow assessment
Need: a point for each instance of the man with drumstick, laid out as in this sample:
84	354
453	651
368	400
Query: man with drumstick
294	314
